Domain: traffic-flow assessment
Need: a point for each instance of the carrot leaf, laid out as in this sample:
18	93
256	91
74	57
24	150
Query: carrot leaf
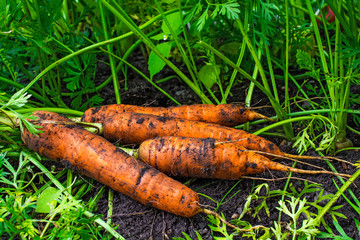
47	200
208	74
155	62
9	110
294	208
18	99
219	227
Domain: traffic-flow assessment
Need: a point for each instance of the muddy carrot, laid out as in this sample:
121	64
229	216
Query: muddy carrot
97	158
222	114
209	158
134	128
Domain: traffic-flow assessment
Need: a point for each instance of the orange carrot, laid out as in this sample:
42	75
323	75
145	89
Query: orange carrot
208	158
97	158
134	128
222	114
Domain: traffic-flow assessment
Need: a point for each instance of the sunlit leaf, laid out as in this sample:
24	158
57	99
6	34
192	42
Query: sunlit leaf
46	199
208	74
174	20
156	64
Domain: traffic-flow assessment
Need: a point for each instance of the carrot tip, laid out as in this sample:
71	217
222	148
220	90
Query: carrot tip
317	157
260	116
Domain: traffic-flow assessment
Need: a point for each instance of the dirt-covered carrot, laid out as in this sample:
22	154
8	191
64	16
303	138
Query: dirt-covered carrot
222	114
134	128
208	158
97	158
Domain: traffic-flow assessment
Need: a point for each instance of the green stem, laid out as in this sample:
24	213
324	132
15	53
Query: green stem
69	179
327	207
344	24
355	207
71	55
118	67
251	87
111	59
308	112
287	33
233	75
353	130
292	78
187	43
278	109
178	43
86	49
283	122
149	80
323	59
271	72
254	55
318	38
317	111
241	54
56	110
110	205
122	15
273	101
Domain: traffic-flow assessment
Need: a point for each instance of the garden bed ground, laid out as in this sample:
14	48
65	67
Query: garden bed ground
136	221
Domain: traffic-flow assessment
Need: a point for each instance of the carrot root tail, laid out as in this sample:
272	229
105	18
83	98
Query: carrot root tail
260	116
297	170
318	157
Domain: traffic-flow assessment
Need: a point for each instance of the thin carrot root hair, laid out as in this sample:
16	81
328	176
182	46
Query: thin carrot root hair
289	158
319	157
294	157
282	167
260	116
298	170
278	179
259	107
288	155
215	214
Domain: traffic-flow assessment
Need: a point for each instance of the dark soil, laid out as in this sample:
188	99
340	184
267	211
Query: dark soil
136	221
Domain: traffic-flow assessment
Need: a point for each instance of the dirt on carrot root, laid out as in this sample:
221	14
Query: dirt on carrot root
222	114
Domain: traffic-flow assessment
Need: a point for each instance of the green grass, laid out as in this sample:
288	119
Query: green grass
49	50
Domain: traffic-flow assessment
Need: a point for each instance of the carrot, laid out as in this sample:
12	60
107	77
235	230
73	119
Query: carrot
222	114
134	128
208	158
97	158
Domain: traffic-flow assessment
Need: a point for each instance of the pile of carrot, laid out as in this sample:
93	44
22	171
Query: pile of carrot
171	142
134	128
97	158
